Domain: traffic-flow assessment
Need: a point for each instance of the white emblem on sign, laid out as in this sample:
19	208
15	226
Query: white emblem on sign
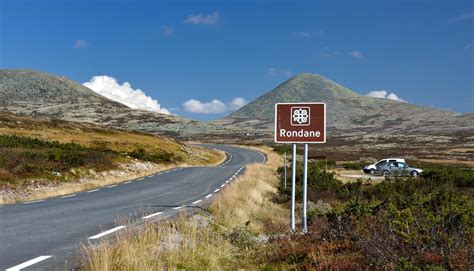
300	116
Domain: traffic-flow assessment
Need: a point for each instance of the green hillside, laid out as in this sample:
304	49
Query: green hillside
348	111
303	87
50	96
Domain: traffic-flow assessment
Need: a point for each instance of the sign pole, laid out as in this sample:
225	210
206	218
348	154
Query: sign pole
300	123
293	189
305	188
284	164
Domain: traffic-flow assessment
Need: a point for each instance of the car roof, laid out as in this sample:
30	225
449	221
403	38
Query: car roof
401	159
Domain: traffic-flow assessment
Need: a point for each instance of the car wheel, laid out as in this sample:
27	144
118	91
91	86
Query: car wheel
415	173
372	171
385	173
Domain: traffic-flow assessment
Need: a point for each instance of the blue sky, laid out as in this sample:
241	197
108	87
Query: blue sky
422	51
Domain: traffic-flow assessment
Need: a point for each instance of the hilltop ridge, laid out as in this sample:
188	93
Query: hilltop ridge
40	94
349	112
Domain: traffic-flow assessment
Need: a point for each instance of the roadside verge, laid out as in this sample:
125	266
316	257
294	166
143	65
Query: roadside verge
220	237
126	171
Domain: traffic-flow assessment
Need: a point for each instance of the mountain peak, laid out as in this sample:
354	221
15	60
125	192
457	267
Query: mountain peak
303	87
346	110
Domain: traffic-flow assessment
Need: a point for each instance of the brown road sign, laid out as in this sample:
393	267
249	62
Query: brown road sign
300	123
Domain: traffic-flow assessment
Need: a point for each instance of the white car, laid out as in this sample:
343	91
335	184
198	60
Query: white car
372	167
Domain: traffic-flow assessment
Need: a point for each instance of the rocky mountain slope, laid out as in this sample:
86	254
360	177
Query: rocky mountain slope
349	113
44	95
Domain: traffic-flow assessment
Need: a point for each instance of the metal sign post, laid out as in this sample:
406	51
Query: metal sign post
293	188
300	123
305	188
284	165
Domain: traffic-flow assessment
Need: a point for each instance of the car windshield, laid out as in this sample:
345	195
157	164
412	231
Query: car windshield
381	162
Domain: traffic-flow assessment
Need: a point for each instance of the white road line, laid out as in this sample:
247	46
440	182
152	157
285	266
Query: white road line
34	201
197	201
177	208
68	196
217	190
223	185
106	232
90	191
227	181
152	215
140	179
127	182
28	263
114	185
208	196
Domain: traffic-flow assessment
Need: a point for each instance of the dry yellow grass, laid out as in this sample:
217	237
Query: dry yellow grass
173	244
449	162
344	179
94	136
213	157
200	244
249	198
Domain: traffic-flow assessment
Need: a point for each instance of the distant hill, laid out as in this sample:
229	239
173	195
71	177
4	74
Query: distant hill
45	95
349	112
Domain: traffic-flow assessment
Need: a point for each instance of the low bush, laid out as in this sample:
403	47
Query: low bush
162	157
400	223
354	165
23	158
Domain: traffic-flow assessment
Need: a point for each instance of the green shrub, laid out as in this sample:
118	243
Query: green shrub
407	223
163	157
354	165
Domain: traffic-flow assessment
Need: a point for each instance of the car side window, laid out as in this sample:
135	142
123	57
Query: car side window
392	165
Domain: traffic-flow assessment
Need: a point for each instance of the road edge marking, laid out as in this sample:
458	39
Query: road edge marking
152	215
68	196
34	201
97	236
29	263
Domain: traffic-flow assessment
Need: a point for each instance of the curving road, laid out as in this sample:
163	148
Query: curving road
43	235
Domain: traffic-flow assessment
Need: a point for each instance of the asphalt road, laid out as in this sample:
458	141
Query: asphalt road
43	235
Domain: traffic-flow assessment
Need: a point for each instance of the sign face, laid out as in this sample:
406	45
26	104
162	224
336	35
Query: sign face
300	123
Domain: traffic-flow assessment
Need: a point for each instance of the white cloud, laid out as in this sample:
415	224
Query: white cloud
124	93
462	17
384	94
213	107
328	53
206	19
79	44
356	54
237	103
273	72
167	30
308	34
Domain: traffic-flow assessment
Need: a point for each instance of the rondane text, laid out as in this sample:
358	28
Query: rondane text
300	133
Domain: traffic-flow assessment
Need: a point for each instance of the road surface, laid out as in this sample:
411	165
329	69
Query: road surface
43	235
